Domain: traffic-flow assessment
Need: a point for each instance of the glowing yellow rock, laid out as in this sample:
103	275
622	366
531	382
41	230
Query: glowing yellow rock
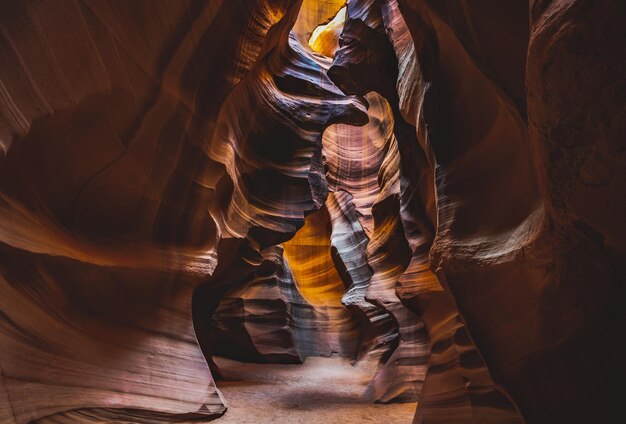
325	38
308	254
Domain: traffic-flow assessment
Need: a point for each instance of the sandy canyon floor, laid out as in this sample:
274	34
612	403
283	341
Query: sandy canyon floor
322	390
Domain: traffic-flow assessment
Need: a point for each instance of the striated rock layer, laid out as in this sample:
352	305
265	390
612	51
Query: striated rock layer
127	170
435	185
454	388
534	278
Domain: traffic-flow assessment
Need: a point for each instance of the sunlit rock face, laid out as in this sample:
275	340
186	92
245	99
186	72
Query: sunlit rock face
456	388
433	186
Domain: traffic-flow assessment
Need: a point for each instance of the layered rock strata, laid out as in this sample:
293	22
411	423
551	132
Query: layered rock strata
103	255
411	216
456	174
514	266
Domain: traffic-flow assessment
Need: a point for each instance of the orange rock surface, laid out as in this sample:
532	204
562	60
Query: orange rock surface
432	187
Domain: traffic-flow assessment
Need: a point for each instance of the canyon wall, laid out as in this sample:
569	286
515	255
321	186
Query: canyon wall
537	276
128	173
437	186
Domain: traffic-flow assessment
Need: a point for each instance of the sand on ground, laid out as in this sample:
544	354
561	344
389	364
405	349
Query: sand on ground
322	390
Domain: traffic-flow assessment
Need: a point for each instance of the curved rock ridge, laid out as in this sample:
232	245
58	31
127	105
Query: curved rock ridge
388	253
119	240
106	332
353	177
360	165
455	388
290	302
314	14
410	214
325	38
68	353
256	321
520	259
267	319
353	156
436	185
280	143
317	279
378	330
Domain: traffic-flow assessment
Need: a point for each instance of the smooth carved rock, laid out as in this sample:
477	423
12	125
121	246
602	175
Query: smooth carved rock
123	236
417	286
317	279
257	321
378	330
519	261
447	181
360	166
325	38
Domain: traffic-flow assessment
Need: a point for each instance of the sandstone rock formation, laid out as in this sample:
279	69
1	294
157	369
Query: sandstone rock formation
435	186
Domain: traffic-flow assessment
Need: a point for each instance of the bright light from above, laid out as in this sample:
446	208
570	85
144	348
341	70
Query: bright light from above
325	38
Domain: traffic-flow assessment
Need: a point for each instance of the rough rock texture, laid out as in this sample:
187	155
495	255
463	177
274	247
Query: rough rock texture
446	179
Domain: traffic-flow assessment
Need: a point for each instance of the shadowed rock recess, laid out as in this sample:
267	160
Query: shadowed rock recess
428	193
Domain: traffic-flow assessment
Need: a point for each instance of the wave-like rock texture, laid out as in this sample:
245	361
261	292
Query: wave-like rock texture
317	279
378	330
455	388
446	179
142	146
537	279
363	173
68	350
256	321
289	307
346	256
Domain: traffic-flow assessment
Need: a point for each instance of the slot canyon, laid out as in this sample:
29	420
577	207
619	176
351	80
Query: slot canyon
313	211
